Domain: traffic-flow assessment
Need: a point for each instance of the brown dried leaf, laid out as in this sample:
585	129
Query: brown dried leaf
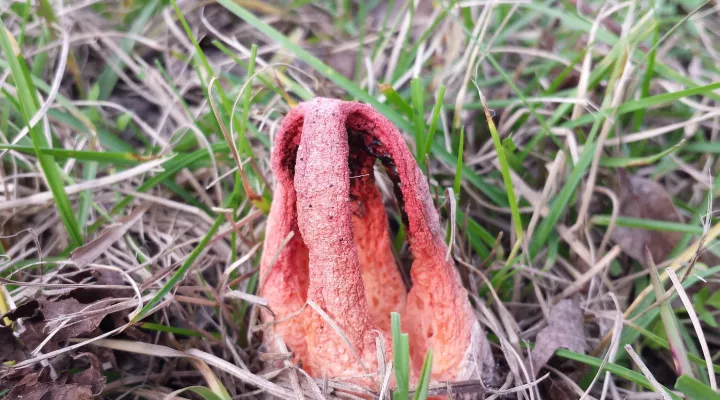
33	378
564	330
86	254
91	377
643	198
49	391
44	315
87	321
33	333
38	385
108	277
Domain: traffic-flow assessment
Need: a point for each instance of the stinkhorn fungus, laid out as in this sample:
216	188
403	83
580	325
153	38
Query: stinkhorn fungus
328	241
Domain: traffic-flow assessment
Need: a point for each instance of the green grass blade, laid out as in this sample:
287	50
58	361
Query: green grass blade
151	326
497	195
703	147
647	80
204	76
625	162
421	392
346	84
75	118
243	126
505	170
645	103
396	100
29	105
558	206
458	166
694	389
669	319
247	95
555	84
475	229
401	359
205	393
430	136
81	155
293	86
662	342
23	26
647	224
86	197
416	95
170	168
631	335
613	368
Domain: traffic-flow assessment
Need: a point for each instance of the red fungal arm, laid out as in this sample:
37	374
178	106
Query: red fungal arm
340	256
325	219
284	270
384	289
438	313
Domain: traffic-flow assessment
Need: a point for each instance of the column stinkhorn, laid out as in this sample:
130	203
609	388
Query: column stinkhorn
328	241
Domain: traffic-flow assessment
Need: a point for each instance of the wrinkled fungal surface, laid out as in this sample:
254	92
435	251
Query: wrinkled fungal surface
339	254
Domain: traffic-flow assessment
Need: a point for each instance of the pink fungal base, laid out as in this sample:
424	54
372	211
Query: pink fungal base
340	253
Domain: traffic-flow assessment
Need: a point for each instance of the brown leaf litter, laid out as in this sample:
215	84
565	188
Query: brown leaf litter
87	316
565	330
644	198
80	386
42	325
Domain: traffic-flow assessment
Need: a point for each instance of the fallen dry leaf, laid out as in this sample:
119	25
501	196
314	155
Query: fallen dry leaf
35	387
86	320
86	254
33	334
82	385
564	330
77	313
50	391
92	376
643	198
